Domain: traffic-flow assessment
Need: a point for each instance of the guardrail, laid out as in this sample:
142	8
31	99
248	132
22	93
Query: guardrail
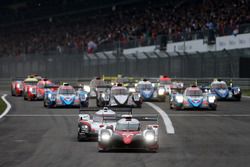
243	83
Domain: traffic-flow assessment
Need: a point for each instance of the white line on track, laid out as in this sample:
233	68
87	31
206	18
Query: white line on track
7	108
166	119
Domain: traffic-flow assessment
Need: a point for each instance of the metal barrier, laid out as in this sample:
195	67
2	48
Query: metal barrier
152	64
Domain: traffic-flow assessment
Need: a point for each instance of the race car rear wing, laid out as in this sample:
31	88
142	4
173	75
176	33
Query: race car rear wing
142	118
148	117
94	109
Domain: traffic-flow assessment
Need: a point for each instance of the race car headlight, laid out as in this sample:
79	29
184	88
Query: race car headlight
49	96
149	136
103	95
179	99
30	89
18	86
237	91
161	91
211	99
132	90
84	127
105	136
86	88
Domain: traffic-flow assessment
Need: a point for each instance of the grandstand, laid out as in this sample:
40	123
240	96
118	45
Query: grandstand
85	27
71	25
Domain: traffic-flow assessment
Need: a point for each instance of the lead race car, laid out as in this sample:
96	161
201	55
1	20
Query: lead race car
129	134
119	96
66	96
225	92
89	124
193	98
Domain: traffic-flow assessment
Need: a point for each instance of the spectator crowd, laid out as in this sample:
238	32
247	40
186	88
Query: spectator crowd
91	30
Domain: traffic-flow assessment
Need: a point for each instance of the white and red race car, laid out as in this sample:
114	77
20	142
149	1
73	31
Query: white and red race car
129	134
90	123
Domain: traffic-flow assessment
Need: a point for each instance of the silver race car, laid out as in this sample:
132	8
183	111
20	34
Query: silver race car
119	96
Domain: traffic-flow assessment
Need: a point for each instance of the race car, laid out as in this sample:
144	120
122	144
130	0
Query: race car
224	92
66	96
94	83
30	88
89	124
41	87
150	92
166	82
129	134
17	87
119	96
193	98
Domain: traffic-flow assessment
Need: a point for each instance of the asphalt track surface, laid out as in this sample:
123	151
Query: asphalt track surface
31	135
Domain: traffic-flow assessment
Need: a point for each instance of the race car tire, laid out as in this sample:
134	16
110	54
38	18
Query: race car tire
97	103
12	92
44	104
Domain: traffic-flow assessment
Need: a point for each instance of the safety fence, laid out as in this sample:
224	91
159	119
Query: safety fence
232	64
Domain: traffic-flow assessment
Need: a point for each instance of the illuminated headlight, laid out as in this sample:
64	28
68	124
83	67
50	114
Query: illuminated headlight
211	99
149	137
132	90
103	95
30	89
18	86
179	99
84	127
86	88
153	84
49	96
237	91
105	136
161	91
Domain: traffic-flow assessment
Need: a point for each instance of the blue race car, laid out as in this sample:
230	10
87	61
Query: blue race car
66	96
150	92
224	92
193	98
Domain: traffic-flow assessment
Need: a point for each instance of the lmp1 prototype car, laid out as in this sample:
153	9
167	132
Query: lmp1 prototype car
224	92
150	92
30	88
66	96
17	87
128	134
41	87
94	84
193	98
119	96
90	124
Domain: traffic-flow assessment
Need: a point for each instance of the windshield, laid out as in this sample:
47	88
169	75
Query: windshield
127	127
30	82
145	86
193	93
66	91
119	91
165	82
106	118
219	86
